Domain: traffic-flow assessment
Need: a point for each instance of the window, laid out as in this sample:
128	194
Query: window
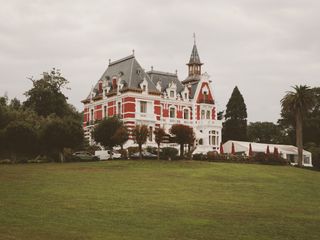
213	138
186	114
172	94
306	160
186	96
105	111
144	88
91	115
119	107
203	114
208	114
172	112
143	107
205	96
150	134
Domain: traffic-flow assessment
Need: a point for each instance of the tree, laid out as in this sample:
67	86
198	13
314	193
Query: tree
58	134
15	104
297	103
140	135
20	138
46	97
182	135
121	136
105	132
265	132
235	125
159	134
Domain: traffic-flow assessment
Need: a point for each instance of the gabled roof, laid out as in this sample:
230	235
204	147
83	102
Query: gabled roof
165	79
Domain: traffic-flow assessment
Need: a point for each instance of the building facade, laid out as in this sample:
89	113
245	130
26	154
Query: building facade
156	99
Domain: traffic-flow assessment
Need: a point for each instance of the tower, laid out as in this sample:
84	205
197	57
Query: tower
194	64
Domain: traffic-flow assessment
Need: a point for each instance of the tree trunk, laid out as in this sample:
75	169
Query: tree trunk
189	151
61	156
140	151
158	151
111	154
299	138
181	150
14	157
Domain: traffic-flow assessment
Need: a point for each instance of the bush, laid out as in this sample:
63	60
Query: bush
152	150
169	153
5	161
199	156
132	150
124	154
269	159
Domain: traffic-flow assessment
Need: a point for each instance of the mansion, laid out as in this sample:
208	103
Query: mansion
156	99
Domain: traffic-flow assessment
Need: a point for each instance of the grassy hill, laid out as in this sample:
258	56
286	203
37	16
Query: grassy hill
158	200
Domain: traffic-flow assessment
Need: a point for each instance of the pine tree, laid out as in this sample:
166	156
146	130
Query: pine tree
235	125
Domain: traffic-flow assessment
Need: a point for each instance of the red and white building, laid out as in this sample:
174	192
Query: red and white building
155	98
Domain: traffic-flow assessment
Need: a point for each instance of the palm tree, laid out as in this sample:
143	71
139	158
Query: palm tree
297	103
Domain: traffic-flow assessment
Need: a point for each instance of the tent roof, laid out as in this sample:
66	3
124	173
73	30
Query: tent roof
241	146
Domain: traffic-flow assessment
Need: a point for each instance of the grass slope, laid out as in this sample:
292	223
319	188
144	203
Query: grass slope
158	200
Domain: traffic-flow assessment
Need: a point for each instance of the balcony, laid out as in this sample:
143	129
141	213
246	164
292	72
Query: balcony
209	122
205	100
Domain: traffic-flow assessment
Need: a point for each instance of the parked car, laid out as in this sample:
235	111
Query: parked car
145	155
84	156
106	154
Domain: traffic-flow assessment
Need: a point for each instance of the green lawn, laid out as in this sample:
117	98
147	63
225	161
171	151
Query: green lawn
158	200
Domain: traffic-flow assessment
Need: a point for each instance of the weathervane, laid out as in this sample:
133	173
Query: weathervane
194	38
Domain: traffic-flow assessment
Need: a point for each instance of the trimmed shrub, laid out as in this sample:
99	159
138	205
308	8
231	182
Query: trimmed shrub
169	153
269	159
199	157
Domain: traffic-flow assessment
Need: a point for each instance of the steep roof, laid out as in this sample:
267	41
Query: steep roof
194	86
131	73
165	79
194	58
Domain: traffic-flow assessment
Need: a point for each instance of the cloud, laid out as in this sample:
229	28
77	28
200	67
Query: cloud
263	47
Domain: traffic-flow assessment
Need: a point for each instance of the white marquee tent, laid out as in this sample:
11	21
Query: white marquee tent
288	152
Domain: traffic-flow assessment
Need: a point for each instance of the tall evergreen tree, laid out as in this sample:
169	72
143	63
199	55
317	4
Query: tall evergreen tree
235	125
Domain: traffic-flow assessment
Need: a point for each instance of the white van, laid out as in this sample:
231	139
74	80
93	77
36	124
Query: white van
106	154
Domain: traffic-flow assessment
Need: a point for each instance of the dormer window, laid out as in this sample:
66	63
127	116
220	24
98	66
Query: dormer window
144	88
186	96
172	94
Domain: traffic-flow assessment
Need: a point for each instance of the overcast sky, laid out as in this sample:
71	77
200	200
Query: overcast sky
262	46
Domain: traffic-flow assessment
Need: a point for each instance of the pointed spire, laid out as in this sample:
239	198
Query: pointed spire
194	58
